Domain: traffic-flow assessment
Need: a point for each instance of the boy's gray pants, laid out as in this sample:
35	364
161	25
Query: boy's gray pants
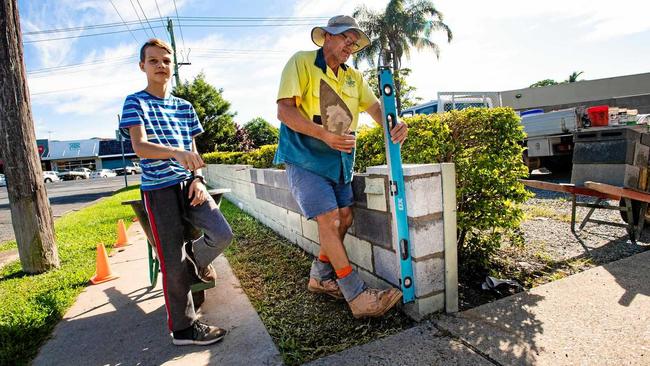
169	210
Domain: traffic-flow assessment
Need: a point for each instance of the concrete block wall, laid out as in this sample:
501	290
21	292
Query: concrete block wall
431	208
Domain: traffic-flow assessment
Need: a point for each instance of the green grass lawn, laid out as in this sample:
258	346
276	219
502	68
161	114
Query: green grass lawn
31	305
274	272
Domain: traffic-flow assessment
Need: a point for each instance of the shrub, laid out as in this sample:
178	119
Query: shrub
259	158
485	146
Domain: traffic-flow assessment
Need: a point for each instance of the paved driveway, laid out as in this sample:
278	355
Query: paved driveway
65	196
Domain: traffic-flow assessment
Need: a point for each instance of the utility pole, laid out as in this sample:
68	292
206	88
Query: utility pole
170	29
121	139
31	214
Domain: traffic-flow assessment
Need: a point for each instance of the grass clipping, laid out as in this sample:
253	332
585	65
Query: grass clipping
274	275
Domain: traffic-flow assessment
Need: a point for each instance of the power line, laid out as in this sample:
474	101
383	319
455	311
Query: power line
139	19
145	18
187	25
160	15
179	25
78	36
127	27
185	19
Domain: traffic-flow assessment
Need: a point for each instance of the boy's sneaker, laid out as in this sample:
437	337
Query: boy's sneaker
198	334
206	274
373	303
328	287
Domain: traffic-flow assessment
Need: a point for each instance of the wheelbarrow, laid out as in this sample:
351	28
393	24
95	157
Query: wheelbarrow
191	233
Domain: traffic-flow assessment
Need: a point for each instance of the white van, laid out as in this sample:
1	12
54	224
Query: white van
450	101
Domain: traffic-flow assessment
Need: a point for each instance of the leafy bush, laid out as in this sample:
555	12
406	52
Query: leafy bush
484	146
259	158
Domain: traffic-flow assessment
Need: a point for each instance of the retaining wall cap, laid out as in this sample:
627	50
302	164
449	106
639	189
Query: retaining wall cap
409	169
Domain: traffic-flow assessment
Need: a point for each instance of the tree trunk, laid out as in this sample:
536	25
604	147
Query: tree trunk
398	86
30	208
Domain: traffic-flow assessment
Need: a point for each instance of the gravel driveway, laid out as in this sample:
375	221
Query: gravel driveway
551	251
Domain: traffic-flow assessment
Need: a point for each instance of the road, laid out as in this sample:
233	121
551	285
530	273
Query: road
65	196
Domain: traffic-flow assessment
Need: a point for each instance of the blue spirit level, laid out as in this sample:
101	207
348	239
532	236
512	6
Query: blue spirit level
396	185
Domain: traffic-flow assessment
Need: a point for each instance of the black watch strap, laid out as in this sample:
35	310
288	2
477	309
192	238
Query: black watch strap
199	177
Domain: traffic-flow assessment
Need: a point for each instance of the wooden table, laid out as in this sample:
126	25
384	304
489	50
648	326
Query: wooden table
633	204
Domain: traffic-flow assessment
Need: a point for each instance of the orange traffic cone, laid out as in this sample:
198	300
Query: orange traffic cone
122	239
102	270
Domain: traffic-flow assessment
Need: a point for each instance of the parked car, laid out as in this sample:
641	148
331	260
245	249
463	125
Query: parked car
50	176
130	169
102	173
77	173
3	181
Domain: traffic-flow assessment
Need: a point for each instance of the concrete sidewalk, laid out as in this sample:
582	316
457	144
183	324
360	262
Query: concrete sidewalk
124	321
597	317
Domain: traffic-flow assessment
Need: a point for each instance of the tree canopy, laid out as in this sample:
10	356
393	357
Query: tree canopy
404	24
261	132
213	112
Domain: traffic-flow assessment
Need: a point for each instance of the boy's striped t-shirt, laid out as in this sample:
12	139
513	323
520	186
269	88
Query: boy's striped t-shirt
169	121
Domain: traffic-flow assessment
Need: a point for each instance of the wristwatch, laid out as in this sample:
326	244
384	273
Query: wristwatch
199	177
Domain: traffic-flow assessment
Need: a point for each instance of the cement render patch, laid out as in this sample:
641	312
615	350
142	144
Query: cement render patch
599	316
421	345
124	322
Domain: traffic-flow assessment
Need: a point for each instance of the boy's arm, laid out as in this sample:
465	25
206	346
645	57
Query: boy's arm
190	160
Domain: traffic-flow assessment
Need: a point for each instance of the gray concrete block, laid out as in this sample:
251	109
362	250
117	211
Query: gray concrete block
359	251
376	191
386	265
358	189
373	226
277	196
429	276
424	196
426	238
309	229
422	307
254	174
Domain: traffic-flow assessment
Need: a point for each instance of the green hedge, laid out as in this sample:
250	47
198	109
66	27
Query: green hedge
484	144
259	158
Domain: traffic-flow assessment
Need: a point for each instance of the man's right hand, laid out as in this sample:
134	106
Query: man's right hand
344	143
189	160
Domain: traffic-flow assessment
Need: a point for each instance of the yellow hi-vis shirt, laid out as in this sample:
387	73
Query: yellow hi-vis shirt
301	81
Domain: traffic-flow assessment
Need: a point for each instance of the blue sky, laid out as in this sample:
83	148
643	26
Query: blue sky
500	45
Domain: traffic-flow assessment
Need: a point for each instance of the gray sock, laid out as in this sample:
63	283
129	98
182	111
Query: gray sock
322	271
351	286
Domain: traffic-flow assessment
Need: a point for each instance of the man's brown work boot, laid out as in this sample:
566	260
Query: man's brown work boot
328	287
374	303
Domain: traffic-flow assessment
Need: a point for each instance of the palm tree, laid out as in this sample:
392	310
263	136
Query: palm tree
574	77
403	25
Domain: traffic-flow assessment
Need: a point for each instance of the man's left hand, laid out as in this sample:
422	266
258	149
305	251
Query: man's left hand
399	132
198	191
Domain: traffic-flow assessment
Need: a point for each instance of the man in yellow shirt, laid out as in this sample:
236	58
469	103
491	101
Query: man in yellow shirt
320	163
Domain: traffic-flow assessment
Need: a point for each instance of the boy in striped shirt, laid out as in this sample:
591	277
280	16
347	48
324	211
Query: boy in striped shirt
162	129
